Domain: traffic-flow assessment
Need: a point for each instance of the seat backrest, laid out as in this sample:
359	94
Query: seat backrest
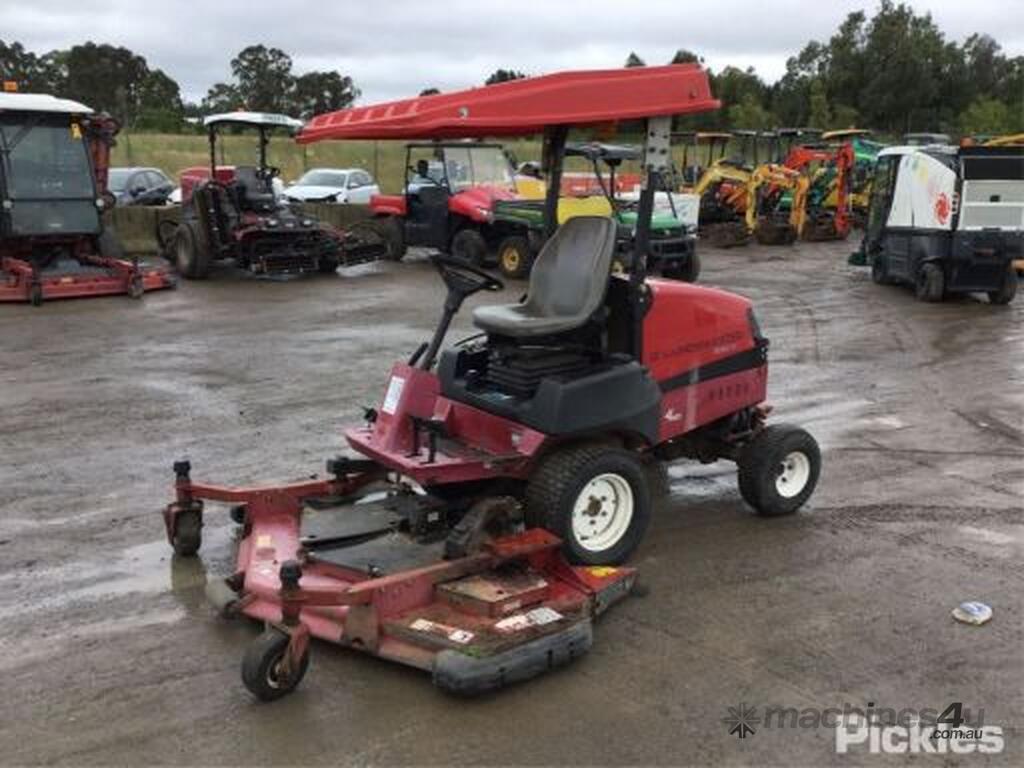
252	192
570	275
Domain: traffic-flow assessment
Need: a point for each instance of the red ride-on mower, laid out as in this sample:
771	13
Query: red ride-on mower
233	212
54	156
447	543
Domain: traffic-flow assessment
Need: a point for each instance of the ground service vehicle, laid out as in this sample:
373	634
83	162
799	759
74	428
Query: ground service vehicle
54	156
673	241
947	220
448	200
537	443
233	212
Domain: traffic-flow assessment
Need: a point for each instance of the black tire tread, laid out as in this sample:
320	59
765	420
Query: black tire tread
260	653
545	490
757	461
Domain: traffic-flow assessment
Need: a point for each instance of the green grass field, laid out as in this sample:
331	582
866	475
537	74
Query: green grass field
384	159
173	152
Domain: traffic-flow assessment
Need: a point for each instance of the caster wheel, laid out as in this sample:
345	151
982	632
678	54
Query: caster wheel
262	668
188	534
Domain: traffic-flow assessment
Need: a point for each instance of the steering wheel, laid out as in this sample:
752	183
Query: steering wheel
463	278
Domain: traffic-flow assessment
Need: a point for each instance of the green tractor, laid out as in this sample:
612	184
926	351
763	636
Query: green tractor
673	236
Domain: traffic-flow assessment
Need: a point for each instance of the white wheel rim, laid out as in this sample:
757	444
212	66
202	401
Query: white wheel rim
794	472
602	512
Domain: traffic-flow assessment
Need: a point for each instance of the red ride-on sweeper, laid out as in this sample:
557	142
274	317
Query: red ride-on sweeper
54	156
495	494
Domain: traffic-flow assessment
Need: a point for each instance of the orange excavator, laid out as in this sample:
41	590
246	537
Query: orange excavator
831	222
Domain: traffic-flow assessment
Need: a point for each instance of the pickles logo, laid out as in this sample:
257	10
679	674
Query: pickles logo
741	720
942	208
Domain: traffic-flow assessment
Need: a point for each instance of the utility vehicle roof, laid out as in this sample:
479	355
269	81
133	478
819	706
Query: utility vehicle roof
524	107
798	131
596	151
843	133
926	138
41	102
258	119
921	149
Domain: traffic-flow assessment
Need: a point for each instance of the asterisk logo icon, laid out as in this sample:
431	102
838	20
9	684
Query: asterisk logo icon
741	720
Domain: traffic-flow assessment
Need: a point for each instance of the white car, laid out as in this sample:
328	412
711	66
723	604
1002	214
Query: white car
333	185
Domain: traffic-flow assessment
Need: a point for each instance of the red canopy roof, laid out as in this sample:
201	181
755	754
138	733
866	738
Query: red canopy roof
523	107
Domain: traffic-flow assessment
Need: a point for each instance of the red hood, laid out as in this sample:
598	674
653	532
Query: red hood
469	202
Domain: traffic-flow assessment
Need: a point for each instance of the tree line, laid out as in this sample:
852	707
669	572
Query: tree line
117	80
894	72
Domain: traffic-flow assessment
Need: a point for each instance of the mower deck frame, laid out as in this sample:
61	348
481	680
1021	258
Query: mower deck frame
509	610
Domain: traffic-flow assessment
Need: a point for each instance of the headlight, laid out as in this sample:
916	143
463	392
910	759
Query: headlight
485	212
272	222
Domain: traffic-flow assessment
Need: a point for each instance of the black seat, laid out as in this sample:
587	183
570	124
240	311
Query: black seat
254	194
567	284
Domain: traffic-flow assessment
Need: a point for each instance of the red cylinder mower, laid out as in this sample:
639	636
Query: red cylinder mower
500	483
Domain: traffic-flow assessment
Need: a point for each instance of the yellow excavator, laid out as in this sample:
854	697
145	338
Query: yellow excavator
769	222
722	188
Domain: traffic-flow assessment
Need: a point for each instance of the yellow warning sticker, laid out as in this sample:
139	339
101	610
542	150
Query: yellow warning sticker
603	571
76	131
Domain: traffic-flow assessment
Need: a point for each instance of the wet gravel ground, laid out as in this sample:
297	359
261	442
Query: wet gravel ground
112	656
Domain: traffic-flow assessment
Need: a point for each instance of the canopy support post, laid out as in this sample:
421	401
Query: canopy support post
552	159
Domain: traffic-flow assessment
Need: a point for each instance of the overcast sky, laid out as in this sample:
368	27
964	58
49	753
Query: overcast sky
395	48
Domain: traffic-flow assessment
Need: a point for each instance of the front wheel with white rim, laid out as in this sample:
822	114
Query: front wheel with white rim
779	469
596	498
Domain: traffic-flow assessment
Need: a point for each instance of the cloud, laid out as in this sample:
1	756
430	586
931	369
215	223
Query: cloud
394	49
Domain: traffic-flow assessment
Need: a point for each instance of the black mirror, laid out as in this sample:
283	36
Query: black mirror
136	191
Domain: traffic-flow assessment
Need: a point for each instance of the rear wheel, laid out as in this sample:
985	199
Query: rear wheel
1008	290
779	469
393	234
470	246
596	498
515	257
191	256
930	285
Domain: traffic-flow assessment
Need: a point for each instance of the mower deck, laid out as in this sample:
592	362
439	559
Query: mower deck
345	562
71	278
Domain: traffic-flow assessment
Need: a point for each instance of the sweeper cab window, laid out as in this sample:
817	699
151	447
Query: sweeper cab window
992	196
45	176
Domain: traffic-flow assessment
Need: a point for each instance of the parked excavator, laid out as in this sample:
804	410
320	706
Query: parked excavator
767	218
722	188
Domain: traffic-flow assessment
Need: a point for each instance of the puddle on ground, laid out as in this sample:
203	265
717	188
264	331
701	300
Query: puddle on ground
988	536
149	568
